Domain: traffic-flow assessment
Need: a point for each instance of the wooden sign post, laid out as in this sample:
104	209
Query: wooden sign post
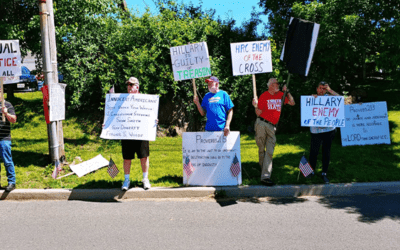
2	97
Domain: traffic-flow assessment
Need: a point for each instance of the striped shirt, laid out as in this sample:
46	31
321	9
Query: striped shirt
5	128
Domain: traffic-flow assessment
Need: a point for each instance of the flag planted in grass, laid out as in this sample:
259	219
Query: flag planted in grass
305	167
188	167
112	169
235	168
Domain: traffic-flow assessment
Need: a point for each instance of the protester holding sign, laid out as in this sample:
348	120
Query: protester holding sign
130	147
217	105
322	135
268	110
5	143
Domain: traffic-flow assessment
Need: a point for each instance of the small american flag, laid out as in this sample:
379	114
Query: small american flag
111	90
188	167
55	172
112	169
305	168
235	168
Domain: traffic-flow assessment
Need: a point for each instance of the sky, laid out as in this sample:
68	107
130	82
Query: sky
238	10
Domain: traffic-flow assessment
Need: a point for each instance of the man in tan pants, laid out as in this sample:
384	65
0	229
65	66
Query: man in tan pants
268	110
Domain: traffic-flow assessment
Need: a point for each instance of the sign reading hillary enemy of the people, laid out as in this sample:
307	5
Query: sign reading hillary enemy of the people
366	124
130	117
190	61
211	159
10	60
251	58
322	111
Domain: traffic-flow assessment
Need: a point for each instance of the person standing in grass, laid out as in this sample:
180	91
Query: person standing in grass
322	136
218	107
138	147
268	111
5	142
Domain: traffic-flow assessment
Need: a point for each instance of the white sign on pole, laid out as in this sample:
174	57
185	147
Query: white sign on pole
10	61
89	166
190	61
211	159
57	102
130	117
366	124
251	58
322	111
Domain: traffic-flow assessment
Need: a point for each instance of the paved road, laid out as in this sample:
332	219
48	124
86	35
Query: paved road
351	222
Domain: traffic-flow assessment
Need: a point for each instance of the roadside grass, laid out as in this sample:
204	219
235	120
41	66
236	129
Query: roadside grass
33	168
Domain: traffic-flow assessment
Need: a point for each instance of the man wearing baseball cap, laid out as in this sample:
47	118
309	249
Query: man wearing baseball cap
217	105
132	147
268	110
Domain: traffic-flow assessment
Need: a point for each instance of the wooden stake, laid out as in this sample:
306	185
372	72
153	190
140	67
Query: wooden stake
2	96
194	88
254	87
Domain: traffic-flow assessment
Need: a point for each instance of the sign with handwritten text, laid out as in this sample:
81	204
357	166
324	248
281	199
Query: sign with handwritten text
322	111
130	117
190	61
10	61
366	124
214	159
88	166
251	58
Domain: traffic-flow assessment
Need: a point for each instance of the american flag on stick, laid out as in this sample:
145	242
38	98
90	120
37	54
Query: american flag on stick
111	90
112	169
305	167
235	168
55	172
188	167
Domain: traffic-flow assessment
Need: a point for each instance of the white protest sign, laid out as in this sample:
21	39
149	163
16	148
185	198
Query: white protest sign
130	117
214	158
366	124
57	102
251	58
89	166
10	61
322	111
190	61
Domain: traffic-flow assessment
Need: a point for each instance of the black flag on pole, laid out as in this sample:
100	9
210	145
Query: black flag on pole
299	46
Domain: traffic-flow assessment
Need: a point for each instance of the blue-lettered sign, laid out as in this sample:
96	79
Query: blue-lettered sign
322	111
366	124
213	159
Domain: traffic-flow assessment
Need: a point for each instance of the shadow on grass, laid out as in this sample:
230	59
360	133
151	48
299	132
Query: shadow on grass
170	179
371	208
25	159
26	110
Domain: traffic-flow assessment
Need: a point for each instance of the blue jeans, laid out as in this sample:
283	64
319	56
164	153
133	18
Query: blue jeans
5	154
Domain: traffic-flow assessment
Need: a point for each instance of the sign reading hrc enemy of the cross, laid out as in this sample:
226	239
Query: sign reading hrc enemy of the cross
322	111
366	124
190	61
211	159
10	60
251	58
130	117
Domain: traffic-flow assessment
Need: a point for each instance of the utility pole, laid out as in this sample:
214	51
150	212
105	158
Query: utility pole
50	73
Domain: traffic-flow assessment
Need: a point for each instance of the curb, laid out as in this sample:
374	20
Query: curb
341	189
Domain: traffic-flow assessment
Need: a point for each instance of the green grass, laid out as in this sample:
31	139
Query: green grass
33	168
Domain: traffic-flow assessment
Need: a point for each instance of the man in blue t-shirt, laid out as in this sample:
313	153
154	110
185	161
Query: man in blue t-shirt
217	105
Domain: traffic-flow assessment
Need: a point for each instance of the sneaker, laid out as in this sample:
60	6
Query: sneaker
267	182
146	184
10	187
325	179
126	184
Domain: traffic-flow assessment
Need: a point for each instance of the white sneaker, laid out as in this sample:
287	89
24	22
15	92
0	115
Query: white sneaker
126	185
146	184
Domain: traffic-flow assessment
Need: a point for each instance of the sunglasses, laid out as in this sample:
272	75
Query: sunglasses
131	84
